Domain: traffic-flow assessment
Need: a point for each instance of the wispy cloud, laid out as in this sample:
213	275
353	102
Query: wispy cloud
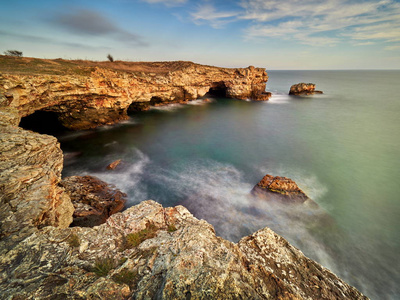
393	47
167	2
207	14
91	23
311	21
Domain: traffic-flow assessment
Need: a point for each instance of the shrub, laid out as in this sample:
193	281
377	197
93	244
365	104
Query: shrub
110	58
15	53
73	240
103	266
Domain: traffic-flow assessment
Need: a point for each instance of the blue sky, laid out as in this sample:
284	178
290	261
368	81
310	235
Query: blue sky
275	34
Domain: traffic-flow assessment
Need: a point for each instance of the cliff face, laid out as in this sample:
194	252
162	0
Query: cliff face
102	95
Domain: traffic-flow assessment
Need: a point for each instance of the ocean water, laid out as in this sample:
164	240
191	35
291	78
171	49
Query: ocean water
342	148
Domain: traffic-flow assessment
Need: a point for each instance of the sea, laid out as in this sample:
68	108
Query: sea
341	148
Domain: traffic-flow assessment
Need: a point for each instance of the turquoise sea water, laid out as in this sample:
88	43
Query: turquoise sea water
342	148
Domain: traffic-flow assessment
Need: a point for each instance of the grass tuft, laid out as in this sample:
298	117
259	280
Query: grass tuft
172	228
73	240
135	239
103	266
126	277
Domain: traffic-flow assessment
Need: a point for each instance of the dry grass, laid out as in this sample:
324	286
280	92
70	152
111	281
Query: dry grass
30	65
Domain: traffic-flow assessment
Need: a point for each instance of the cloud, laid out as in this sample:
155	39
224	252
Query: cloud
207	14
393	47
41	39
167	2
311	21
91	23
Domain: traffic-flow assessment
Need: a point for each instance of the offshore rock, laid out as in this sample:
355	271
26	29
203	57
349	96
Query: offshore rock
88	94
30	170
280	188
176	257
94	200
303	89
114	164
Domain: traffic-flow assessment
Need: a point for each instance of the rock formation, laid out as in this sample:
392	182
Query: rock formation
87	94
30	170
151	252
303	89
93	199
285	189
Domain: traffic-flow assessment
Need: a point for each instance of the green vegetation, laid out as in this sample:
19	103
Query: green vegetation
73	241
103	266
126	276
134	239
15	53
172	228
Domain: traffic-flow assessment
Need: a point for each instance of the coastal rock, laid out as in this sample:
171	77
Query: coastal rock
149	252
30	170
281	188
93	199
89	94
113	165
303	89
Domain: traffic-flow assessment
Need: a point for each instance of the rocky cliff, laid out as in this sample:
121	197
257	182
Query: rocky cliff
88	94
145	252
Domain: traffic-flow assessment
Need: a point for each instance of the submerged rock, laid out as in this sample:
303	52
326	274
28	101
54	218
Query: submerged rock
93	199
150	252
303	89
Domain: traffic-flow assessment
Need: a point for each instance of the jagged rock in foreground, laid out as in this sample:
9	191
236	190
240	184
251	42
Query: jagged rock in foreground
94	200
303	89
151	252
89	94
30	170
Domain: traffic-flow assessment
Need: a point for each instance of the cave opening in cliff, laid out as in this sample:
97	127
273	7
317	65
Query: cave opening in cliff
45	122
218	89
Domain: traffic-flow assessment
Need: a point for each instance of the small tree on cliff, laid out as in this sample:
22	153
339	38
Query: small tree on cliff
110	58
15	53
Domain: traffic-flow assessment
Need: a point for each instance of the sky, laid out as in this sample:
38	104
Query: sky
273	34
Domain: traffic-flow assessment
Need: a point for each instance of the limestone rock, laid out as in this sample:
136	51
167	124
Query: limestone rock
9	116
30	170
93	199
88	96
182	258
282	188
303	89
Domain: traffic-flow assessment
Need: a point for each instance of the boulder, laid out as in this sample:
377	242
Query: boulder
280	188
303	89
93	199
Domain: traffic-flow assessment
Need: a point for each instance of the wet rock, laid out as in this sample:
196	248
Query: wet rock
113	165
93	199
30	170
303	89
281	188
186	260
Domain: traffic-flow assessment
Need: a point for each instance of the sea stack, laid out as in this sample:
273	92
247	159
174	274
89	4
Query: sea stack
303	89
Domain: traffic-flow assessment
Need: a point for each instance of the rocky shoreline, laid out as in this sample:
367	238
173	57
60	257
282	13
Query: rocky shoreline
144	252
